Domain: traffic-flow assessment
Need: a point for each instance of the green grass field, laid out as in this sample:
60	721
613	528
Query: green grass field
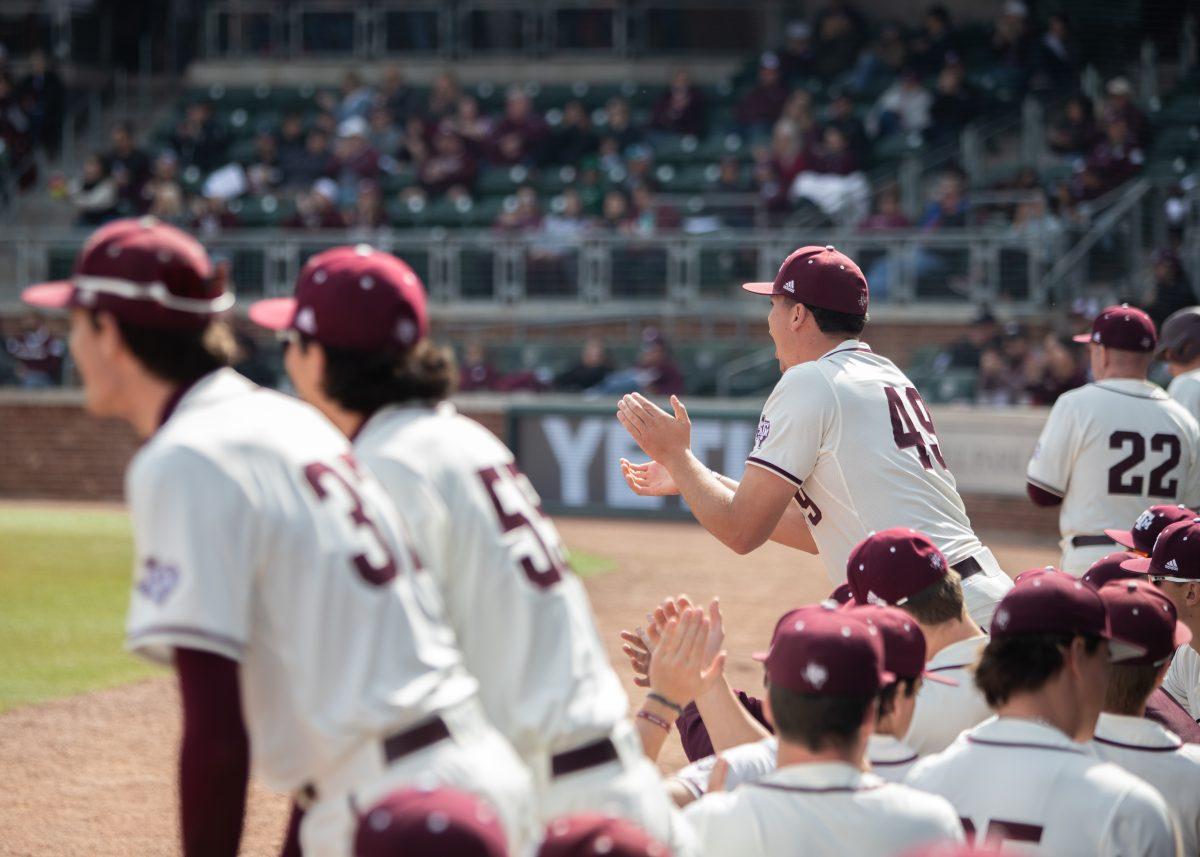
64	585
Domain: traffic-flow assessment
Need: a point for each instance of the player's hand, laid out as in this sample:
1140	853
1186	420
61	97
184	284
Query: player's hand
671	608
661	436
678	669
637	648
649	479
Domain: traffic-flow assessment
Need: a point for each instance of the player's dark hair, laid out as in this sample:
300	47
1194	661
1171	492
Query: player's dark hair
887	696
365	381
818	722
1022	664
178	356
829	321
937	603
1129	686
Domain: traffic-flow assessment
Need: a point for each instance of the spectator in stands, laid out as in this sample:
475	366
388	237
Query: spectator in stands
291	140
521	133
449	170
758	109
354	159
797	57
368	211
614	215
383	135
650	217
639	167
14	129
1120	106
841	33
1055	370
949	204
834	156
521	212
37	354
610	159
211	216
620	124
1012	44
1056	60
592	367
657	371
198	140
443	97
263	170
353	100
318	208
94	194
799	111
730	177
841	116
832	181
967	351
1002	369
880	62
163	195
1117	158
681	109
573	139
42	96
1075	133
415	146
935	41
887	213
1169	289
304	168
129	167
475	129
396	96
904	106
1034	219
476	372
955	103
553	250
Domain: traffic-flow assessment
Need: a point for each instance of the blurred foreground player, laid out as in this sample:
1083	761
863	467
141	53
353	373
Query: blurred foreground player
272	572
1025	776
359	351
844	434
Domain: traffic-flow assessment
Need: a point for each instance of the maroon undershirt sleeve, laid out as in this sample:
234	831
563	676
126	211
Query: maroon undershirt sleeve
1042	497
214	756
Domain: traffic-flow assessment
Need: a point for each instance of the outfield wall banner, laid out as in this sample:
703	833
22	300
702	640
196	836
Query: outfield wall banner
571	453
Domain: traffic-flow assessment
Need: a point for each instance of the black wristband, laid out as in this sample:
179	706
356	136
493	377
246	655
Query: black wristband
662	700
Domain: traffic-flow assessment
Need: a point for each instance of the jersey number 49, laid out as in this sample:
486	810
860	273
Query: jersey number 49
904	428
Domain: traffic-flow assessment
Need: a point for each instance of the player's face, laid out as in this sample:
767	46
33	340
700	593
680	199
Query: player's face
1092	672
92	344
779	326
905	706
304	367
1096	352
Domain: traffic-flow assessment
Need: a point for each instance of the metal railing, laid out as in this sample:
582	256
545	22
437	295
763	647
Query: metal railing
472	269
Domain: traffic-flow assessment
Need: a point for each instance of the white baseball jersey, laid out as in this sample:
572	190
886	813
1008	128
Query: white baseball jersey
852	434
1158	756
1026	786
1185	389
944	711
260	538
522	619
890	757
1110	449
1183	679
826	810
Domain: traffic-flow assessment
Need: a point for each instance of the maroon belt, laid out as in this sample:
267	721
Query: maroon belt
396	746
581	758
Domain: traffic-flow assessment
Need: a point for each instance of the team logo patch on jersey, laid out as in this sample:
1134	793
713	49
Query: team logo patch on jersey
764	429
158	580
816	675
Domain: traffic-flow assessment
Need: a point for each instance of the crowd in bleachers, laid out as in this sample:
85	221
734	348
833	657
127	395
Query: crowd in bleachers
31	114
792	136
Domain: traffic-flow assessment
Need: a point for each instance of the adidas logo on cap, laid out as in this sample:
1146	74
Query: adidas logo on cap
1171	565
790	286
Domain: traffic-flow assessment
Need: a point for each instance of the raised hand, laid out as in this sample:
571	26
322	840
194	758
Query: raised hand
661	436
649	479
679	669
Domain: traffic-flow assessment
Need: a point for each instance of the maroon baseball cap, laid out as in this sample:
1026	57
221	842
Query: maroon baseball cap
1053	602
1150	523
1176	555
823	651
903	641
1108	568
357	298
438	822
589	833
1138	612
842	594
1123	327
820	277
144	272
891	566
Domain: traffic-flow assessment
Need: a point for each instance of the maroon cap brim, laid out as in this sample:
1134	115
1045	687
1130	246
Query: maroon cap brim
1082	339
53	295
1137	566
1122	537
273	313
759	288
940	679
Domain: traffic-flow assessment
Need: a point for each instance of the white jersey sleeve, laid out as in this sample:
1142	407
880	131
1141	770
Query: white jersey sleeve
1142	826
1183	679
794	424
748	763
197	557
424	513
1185	389
1057	448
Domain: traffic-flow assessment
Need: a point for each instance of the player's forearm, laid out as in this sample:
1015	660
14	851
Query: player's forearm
792	530
728	722
654	727
711	501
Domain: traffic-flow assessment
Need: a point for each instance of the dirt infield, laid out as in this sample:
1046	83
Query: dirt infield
95	774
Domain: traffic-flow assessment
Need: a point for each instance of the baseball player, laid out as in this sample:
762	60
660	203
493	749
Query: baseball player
272	572
845	434
1114	446
360	353
1140	538
1140	613
1174	568
1022	777
1179	346
825	671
